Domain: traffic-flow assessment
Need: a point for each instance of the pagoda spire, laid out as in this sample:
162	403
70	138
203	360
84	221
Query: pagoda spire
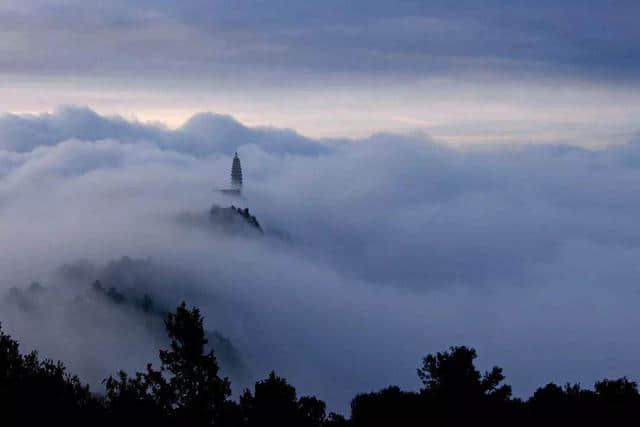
236	173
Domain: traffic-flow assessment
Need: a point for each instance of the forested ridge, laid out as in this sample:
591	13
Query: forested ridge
187	389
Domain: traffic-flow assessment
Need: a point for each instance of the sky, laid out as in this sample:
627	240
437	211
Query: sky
426	176
480	73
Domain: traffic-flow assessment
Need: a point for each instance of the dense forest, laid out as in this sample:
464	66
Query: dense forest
186	389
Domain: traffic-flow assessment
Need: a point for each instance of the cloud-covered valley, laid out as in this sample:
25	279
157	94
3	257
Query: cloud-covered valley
396	247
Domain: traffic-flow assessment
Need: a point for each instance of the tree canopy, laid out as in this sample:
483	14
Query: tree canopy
186	389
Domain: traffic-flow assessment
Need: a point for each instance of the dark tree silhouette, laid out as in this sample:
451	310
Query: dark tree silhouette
129	402
618	392
610	401
390	406
187	390
274	402
34	392
194	391
454	374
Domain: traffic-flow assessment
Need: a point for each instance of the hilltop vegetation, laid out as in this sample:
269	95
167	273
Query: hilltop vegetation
106	308
231	220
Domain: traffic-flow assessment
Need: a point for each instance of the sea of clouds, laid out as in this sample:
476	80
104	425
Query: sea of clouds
395	247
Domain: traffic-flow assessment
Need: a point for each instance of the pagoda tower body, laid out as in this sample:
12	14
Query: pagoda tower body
236	179
236	173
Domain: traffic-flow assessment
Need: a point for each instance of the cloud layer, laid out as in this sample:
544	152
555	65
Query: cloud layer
397	246
364	38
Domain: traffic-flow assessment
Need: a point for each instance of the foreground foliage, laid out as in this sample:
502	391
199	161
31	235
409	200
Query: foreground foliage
187	390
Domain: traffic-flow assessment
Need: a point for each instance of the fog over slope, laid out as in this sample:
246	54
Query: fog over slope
398	246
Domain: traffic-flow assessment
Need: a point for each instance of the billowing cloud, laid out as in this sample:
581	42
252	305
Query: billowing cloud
203	134
396	246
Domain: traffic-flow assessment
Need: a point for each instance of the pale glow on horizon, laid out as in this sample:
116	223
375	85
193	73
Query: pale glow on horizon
459	113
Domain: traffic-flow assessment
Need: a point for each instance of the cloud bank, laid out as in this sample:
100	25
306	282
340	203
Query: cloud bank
397	247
